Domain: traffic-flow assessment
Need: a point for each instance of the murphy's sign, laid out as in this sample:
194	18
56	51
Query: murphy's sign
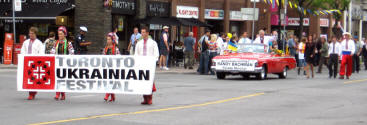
86	74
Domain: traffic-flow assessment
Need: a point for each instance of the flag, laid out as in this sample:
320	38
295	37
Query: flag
316	13
304	11
271	1
309	11
322	12
265	1
283	2
295	6
232	46
290	4
325	12
277	2
339	12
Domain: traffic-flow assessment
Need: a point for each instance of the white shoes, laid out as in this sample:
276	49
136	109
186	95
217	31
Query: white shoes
165	68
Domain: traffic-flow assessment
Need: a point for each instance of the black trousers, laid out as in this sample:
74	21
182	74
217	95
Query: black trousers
365	62
356	63
333	65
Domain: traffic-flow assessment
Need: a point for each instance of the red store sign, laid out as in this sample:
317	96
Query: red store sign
296	22
187	12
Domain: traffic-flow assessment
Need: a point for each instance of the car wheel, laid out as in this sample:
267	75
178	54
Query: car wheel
284	74
221	75
263	74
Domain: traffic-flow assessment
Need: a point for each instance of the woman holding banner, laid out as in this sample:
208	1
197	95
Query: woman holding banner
32	46
147	47
62	47
111	49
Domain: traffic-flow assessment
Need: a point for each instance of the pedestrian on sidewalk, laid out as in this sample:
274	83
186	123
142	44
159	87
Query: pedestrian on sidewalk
301	56
133	40
147	47
364	53
334	55
116	37
189	45
356	55
212	51
323	54
32	46
110	49
348	49
50	42
81	45
62	47
204	53
164	48
310	56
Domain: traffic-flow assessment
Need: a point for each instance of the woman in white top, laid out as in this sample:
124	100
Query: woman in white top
32	46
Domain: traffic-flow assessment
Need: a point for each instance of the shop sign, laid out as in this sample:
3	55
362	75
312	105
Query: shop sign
296	22
160	9
364	16
235	16
357	12
324	22
248	13
123	7
214	14
187	12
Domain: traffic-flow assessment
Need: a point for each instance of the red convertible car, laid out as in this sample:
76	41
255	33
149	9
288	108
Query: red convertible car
252	59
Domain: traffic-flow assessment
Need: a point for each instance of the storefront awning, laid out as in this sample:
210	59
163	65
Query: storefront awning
173	21
36	10
160	20
193	22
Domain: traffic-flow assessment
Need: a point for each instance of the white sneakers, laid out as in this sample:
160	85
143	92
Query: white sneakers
164	68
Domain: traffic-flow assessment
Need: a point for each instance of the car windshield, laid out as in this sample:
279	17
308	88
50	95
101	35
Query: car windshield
251	48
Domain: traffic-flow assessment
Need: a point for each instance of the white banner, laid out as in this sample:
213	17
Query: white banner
235	16
86	73
187	12
235	65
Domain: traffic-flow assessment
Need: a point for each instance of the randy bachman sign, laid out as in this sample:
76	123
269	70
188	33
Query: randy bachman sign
86	74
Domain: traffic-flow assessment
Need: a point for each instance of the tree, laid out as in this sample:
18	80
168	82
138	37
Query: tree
308	4
341	5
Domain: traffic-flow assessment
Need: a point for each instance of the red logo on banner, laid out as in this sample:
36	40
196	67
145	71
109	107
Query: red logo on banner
39	73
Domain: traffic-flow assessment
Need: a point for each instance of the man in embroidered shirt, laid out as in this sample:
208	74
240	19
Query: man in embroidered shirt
147	47
348	49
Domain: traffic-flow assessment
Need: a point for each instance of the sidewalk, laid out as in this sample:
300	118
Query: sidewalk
3	66
176	70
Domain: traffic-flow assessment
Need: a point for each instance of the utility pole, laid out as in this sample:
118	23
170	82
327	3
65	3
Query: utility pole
14	31
253	21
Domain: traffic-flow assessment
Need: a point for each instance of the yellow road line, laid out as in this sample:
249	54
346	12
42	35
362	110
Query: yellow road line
149	111
354	81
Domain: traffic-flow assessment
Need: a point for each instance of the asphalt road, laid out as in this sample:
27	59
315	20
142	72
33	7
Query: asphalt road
191	99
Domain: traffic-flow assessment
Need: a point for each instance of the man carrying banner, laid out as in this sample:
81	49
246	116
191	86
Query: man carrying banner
62	47
147	47
347	48
32	46
111	49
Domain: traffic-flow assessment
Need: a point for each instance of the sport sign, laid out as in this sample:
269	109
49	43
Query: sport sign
86	74
235	65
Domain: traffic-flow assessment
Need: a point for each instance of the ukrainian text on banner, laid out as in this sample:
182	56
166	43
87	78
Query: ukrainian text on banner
86	73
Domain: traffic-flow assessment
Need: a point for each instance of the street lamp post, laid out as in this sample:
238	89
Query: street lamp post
14	31
253	21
